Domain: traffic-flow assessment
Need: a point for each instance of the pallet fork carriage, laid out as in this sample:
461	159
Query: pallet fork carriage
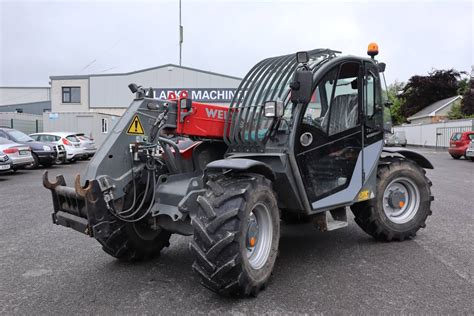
302	140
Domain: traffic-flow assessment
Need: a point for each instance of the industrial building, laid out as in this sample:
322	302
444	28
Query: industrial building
92	104
109	93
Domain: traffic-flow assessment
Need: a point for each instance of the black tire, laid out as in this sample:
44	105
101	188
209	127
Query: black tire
370	215
47	164
455	156
220	234
125	244
471	158
36	163
60	161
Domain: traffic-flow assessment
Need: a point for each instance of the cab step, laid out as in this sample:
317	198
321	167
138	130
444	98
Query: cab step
331	220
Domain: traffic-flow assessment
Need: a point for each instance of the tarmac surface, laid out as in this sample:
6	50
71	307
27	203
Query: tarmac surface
49	269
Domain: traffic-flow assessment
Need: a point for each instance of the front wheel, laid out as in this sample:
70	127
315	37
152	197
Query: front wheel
402	203
236	234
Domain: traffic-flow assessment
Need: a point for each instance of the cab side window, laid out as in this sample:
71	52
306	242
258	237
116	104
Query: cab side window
344	111
317	108
334	106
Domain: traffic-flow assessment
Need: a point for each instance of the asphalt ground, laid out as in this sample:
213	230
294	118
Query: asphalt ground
49	269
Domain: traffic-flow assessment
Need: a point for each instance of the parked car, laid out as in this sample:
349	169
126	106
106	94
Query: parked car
5	163
470	151
459	143
19	154
395	139
74	151
87	143
44	153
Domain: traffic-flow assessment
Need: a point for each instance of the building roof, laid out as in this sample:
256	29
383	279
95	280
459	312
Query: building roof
431	109
30	107
138	71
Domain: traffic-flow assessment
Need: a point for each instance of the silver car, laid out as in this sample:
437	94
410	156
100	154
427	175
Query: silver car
87	144
5	163
20	155
470	151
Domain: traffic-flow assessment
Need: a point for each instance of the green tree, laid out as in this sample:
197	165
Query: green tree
467	105
455	112
421	91
393	94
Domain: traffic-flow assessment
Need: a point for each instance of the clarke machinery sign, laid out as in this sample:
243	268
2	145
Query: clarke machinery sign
209	95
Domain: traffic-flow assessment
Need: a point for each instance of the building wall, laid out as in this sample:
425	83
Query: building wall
111	111
111	91
89	123
18	95
424	120
56	95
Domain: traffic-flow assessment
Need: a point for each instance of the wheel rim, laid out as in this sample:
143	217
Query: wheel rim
401	200
259	236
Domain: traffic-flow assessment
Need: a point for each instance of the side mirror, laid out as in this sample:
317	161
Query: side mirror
301	86
273	109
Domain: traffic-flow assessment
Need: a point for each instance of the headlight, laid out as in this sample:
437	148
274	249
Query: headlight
46	148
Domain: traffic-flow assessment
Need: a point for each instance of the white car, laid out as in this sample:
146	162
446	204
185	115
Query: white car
470	151
74	151
20	155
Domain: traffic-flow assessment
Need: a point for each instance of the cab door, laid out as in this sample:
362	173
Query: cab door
330	136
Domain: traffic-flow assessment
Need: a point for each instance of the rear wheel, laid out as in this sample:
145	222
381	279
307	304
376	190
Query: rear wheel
236	234
455	156
134	241
138	240
402	202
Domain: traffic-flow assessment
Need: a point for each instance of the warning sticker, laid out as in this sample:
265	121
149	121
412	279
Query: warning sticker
363	195
136	127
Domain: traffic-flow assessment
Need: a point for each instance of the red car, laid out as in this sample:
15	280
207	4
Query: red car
459	142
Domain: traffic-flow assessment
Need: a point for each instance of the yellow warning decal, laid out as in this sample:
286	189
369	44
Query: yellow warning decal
363	195
136	127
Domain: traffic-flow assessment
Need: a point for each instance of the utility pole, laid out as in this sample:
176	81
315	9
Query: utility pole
180	34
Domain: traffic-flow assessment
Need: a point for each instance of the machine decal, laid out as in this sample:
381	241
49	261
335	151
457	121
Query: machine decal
136	127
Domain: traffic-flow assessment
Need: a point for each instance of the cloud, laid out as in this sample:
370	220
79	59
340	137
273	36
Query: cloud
39	39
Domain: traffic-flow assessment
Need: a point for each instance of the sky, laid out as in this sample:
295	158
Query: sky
44	38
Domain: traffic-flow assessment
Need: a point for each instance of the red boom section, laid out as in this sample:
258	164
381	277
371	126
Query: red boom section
203	120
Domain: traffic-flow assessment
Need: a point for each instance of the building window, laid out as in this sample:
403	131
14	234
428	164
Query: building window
105	125
71	95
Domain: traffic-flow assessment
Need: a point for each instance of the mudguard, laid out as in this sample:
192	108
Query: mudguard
243	164
410	154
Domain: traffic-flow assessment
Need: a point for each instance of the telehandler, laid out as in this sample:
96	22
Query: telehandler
302	140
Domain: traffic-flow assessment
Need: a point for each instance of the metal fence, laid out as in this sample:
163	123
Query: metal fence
434	135
26	126
443	134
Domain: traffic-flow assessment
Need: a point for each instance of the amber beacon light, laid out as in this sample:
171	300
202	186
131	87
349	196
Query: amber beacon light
373	50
